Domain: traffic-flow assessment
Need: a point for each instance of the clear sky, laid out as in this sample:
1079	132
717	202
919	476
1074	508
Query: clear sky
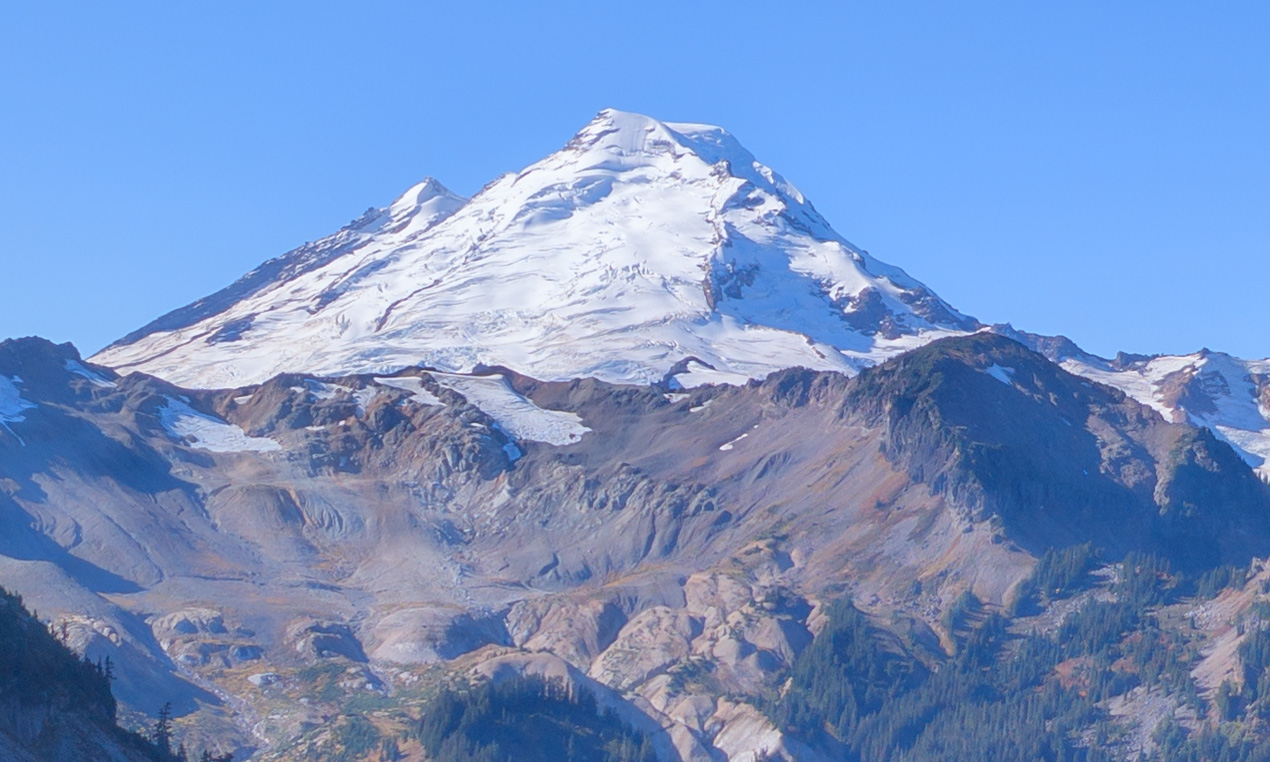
1100	170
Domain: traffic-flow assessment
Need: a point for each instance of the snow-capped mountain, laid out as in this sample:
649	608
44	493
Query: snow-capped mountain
636	248
640	250
1228	395
307	519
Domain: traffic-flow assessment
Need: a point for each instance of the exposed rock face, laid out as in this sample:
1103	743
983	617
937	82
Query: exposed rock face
671	548
1004	435
1228	395
314	639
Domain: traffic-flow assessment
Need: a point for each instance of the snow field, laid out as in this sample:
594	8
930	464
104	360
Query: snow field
204	432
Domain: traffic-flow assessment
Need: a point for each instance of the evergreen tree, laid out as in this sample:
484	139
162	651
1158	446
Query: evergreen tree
162	731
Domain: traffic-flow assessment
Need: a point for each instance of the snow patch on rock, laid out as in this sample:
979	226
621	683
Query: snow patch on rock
325	391
96	378
204	432
414	385
1003	374
362	397
1209	389
12	406
513	412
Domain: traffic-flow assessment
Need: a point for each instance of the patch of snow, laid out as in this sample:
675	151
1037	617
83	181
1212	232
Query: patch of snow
11	403
12	406
1142	383
205	432
676	397
414	385
1003	374
702	406
700	375
514	413
1253	446
94	377
243	400
325	391
728	446
363	399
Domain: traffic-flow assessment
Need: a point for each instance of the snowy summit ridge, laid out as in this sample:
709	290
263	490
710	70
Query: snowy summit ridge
636	249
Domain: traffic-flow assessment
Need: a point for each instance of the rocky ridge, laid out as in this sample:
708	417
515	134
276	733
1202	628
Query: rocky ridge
671	550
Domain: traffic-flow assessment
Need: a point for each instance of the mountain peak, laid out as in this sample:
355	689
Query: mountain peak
611	127
637	245
628	138
430	189
425	203
628	132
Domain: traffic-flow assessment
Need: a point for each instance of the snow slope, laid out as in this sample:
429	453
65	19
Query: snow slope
515	414
1228	395
199	430
637	246
414	385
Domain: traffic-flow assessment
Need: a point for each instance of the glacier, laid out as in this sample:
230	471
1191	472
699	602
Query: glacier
638	246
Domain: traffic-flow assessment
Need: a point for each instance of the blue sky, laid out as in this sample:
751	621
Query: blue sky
1100	170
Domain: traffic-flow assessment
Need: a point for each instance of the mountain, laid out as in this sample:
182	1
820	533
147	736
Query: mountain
639	252
636	249
294	548
631	451
1228	395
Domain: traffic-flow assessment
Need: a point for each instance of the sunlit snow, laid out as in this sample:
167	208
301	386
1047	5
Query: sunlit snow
1002	374
1237	416
362	397
204	432
97	379
637	245
12	406
513	413
324	391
